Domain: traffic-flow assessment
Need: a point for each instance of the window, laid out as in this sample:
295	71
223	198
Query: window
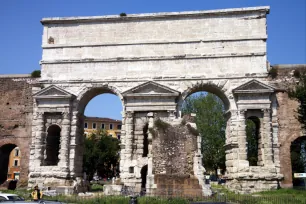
131	170
15	162
119	127
118	136
94	125
85	125
16	176
16	152
110	135
102	126
2	198
110	126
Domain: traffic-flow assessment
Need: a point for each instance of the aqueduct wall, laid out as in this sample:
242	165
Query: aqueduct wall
16	108
152	62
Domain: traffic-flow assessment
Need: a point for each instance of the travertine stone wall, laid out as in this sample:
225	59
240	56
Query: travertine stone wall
218	43
152	62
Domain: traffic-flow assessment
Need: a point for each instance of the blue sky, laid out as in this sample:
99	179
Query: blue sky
21	31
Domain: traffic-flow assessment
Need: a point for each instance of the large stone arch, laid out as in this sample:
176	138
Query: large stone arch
215	87
7	144
77	126
285	161
89	92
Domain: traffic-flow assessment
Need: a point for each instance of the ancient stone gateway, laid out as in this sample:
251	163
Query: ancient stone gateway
152	62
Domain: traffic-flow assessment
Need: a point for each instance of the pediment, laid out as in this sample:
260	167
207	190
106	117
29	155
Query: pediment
254	86
151	88
53	92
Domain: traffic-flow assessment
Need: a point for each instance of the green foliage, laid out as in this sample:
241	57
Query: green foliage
299	93
101	155
273	72
161	125
192	130
36	74
122	14
252	140
211	125
297	73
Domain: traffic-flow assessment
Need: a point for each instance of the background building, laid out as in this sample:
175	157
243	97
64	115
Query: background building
14	164
112	126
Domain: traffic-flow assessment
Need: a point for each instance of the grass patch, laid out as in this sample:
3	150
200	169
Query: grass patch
96	187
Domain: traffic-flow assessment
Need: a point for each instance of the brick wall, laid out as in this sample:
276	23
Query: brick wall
16	118
289	126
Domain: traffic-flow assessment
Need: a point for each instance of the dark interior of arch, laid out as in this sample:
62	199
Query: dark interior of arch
145	141
298	163
52	145
252	133
143	172
5	151
214	90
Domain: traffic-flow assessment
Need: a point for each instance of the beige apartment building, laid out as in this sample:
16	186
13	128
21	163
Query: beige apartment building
112	126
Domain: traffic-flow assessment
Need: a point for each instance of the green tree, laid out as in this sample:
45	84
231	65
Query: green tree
299	93
211	125
252	140
101	155
298	147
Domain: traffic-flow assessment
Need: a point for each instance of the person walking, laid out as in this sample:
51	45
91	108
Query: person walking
36	194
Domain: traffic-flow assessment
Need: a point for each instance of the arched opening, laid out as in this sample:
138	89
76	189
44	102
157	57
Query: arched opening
298	160
210	105
6	161
100	128
52	145
253	136
145	141
144	172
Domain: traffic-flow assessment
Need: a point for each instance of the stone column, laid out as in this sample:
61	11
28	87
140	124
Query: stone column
39	139
129	133
122	147
242	142
75	149
150	176
267	139
65	138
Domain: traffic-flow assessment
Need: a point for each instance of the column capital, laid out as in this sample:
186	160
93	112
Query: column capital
129	114
66	115
266	110
39	115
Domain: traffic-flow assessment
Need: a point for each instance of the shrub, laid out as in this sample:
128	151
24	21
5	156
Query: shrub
36	74
296	73
161	125
192	130
122	14
273	72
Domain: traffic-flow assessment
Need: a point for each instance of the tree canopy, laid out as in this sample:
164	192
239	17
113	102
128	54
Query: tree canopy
101	155
211	125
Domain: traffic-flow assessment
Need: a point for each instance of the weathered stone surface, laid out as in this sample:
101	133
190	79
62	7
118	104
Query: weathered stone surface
16	107
154	61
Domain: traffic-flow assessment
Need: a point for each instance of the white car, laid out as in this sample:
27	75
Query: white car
8	196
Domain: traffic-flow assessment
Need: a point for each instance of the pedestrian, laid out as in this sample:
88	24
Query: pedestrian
36	194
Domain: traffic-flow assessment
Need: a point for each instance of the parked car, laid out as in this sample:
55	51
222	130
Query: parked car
8	196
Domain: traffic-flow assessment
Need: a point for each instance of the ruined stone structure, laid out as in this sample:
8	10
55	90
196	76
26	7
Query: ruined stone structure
16	107
154	61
